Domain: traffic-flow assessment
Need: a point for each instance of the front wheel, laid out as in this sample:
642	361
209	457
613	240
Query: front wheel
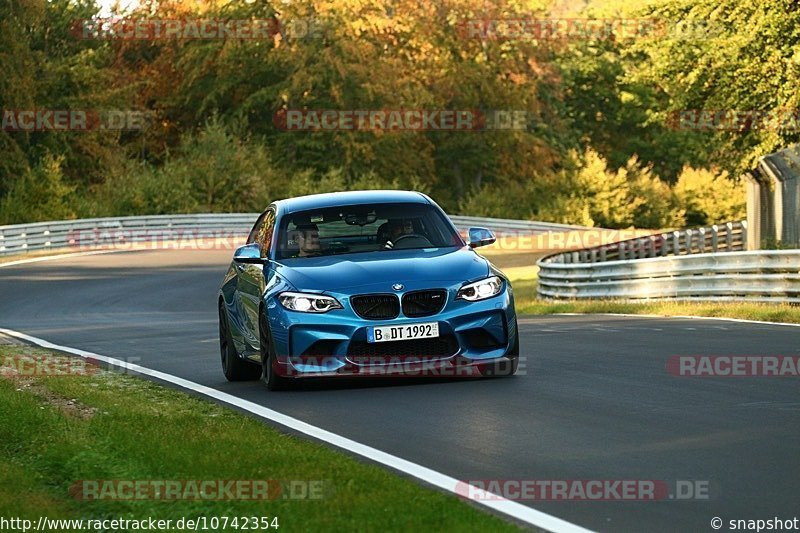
271	380
234	368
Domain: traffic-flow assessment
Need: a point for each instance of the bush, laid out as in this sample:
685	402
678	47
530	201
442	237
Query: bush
710	197
334	180
584	193
39	195
212	171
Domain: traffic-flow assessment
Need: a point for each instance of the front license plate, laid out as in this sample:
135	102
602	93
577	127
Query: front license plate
427	330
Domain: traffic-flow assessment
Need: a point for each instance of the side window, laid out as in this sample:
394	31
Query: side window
265	232
251	238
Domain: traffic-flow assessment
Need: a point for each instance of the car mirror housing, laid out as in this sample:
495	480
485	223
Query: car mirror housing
249	254
481	237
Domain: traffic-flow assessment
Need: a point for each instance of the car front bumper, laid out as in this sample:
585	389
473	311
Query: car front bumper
476	339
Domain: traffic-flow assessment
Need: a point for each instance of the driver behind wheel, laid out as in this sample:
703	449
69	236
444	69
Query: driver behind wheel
307	239
398	228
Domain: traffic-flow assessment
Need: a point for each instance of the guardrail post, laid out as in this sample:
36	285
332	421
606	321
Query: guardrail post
676	243
701	240
714	238
743	225
664	244
729	236
622	250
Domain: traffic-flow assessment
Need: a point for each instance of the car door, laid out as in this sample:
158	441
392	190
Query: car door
251	283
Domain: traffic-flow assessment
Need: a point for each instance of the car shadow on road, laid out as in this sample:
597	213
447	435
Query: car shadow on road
323	384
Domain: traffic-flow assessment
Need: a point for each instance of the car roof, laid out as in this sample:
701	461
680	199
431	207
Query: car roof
333	199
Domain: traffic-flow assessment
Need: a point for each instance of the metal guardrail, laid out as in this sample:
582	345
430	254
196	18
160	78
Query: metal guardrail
728	237
699	264
97	232
756	276
501	225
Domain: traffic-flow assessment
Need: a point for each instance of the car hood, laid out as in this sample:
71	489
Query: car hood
383	268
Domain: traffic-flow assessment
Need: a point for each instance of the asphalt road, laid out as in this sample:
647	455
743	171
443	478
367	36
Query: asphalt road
594	400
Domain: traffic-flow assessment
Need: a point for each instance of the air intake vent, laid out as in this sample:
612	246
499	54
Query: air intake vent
423	303
376	306
443	346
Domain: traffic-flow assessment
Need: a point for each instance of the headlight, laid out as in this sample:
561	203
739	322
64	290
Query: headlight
480	290
308	303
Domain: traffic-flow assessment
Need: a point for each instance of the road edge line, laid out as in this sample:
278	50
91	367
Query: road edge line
58	256
693	317
449	484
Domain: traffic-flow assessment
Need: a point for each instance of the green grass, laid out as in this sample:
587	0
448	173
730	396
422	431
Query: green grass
528	304
57	430
524	280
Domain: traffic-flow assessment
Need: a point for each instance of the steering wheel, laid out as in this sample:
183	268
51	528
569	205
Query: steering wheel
404	237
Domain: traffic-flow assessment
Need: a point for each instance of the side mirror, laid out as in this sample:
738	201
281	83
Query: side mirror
248	254
480	237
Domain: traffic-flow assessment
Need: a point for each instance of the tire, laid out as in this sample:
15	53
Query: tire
269	378
234	368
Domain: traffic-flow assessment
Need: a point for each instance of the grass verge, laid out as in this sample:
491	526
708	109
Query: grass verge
57	430
528	304
524	280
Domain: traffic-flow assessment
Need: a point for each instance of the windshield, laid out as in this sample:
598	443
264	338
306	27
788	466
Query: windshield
364	228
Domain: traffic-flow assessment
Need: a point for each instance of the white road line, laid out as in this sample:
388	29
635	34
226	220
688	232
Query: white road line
511	508
59	256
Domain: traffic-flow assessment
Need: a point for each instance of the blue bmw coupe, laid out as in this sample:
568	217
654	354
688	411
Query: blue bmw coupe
363	283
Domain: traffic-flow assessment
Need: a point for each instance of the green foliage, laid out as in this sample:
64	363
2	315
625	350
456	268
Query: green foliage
39	195
587	193
631	196
747	60
598	149
213	170
108	426
309	182
709	197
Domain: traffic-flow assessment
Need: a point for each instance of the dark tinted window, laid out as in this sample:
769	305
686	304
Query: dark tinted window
364	228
